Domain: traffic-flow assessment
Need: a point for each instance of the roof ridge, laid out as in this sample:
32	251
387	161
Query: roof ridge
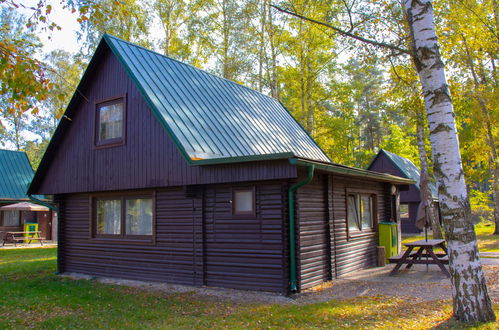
190	65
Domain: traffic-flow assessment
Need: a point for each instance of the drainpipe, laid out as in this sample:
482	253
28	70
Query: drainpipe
292	223
40	202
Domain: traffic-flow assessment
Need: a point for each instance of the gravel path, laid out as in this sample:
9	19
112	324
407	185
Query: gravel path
418	284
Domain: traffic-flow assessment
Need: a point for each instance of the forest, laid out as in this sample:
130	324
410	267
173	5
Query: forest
352	97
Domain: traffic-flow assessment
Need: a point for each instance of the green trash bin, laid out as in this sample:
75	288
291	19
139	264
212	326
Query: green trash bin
388	237
30	226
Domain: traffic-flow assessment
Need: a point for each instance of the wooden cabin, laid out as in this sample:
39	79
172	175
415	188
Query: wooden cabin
16	174
388	162
164	172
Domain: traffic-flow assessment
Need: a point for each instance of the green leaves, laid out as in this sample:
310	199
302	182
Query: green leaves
23	81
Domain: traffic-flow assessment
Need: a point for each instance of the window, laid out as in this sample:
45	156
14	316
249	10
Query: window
110	119
11	219
127	217
404	211
243	201
361	208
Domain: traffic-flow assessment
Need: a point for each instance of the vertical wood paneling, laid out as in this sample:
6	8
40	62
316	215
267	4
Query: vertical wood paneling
149	157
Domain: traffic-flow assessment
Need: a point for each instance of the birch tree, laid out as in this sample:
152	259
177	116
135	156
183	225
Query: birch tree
471	301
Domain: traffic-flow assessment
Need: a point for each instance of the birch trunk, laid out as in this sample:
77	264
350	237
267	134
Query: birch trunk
426	196
471	301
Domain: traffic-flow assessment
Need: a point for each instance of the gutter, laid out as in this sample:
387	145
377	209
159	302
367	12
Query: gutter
292	222
40	202
352	171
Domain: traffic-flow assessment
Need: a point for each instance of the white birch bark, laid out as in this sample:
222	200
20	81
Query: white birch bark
471	301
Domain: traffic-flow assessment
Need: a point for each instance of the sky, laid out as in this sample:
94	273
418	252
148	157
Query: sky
66	38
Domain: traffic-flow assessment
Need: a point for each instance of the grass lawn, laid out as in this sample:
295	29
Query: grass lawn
32	296
486	241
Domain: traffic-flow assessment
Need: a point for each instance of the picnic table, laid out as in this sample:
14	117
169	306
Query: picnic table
425	255
20	236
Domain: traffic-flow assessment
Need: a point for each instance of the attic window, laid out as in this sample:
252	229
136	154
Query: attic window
110	119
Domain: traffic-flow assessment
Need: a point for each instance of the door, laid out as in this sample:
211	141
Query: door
44	220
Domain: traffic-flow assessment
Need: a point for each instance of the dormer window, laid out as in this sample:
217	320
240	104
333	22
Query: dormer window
110	122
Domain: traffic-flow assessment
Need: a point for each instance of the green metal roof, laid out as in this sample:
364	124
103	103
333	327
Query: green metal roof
409	169
212	118
15	175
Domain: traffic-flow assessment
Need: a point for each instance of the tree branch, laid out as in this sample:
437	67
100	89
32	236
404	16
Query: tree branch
345	33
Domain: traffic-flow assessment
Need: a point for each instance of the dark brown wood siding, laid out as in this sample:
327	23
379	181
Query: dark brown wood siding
325	250
148	159
190	248
357	251
383	164
313	238
409	224
171	259
245	252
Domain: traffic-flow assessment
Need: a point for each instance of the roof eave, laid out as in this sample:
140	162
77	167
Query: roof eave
353	172
243	159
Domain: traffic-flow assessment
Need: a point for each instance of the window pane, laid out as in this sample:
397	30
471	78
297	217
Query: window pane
243	201
109	217
11	219
366	207
139	216
353	213
110	121
404	211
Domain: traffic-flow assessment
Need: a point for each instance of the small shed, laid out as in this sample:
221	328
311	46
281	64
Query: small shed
389	162
164	172
16	174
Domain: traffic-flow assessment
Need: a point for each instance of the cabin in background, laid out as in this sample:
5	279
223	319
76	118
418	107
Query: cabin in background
164	172
388	162
15	176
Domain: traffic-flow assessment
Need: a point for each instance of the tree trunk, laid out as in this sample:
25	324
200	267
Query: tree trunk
274	89
261	50
426	195
471	301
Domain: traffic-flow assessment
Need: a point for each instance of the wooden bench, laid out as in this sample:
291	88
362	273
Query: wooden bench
441	256
21	236
425	255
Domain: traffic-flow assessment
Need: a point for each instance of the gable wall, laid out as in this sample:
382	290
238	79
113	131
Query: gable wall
148	159
383	164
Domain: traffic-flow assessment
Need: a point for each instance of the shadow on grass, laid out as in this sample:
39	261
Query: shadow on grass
40	299
452	323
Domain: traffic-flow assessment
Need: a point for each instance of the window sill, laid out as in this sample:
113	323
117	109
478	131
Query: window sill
109	144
